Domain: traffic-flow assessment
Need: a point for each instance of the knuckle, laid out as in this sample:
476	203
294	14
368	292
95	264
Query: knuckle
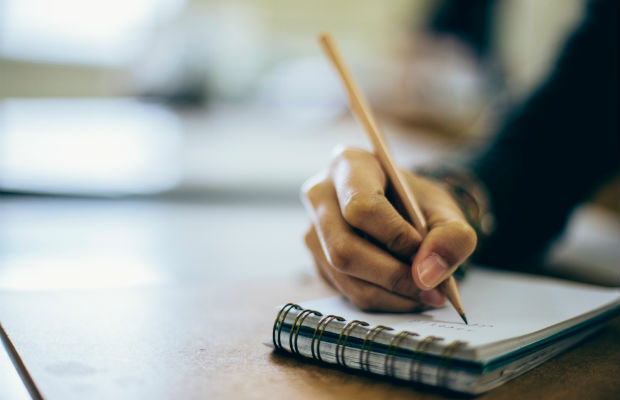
363	300
359	208
340	256
308	237
313	187
401	241
466	234
309	190
400	283
346	152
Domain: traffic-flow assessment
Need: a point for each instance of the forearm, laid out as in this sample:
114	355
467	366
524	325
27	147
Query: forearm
558	147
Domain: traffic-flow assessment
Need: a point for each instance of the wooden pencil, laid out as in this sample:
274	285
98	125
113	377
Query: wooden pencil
362	111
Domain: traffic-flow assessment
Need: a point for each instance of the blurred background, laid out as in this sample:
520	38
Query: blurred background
140	138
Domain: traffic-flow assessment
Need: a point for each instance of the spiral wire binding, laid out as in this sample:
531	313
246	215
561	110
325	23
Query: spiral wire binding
348	329
417	358
303	315
444	362
415	369
393	348
370	335
279	324
322	325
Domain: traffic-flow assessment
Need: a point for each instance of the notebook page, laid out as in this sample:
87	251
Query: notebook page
499	306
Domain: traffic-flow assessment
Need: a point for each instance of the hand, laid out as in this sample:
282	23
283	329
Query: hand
363	247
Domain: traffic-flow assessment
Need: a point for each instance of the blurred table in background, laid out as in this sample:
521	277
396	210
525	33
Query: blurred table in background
111	147
171	298
56	243
169	289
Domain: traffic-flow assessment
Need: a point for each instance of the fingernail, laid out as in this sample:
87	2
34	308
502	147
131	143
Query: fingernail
432	269
433	298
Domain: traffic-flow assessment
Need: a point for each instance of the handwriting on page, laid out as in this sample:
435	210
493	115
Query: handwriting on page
457	326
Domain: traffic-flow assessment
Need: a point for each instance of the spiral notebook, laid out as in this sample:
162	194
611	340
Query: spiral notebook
516	322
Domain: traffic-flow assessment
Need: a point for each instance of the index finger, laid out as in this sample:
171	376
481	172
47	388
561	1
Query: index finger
360	186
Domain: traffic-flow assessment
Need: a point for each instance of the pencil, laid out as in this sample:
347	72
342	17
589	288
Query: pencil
362	111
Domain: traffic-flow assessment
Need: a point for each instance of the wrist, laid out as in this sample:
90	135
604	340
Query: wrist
469	193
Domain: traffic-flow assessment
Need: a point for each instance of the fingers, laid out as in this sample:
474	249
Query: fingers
312	243
360	187
433	298
449	242
350	198
362	294
445	248
350	254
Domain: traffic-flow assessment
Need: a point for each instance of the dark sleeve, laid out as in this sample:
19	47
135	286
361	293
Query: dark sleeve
555	150
469	20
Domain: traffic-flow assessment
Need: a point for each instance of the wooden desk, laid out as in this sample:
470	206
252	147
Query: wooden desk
206	341
192	305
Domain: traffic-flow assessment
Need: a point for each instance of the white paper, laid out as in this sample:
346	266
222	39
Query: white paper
500	306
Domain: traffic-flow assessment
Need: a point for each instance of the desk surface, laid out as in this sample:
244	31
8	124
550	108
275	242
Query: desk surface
206	341
130	299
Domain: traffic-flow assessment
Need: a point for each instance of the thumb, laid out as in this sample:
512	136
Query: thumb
447	245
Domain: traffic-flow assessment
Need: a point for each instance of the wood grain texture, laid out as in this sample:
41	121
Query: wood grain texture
207	341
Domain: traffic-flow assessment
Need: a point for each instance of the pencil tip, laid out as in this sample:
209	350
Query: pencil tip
464	319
